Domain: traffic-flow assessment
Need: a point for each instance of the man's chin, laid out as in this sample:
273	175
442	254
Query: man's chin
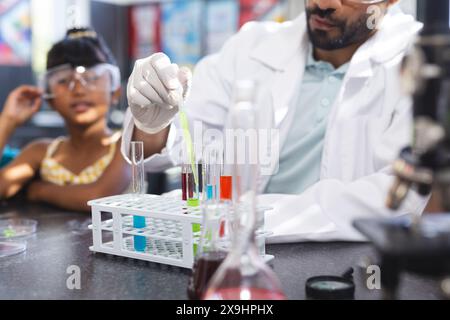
327	44
322	39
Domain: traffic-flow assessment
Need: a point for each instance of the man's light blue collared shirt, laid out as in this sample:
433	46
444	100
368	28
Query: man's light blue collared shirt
301	155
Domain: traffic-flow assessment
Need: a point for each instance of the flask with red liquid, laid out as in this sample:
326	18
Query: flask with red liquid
212	250
244	275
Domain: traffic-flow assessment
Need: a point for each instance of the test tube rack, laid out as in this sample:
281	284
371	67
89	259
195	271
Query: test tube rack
169	234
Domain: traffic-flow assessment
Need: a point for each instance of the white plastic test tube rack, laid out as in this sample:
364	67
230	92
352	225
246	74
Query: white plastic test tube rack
169	228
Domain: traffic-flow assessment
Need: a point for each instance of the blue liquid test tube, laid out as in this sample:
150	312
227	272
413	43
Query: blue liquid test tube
140	242
211	172
209	192
137	166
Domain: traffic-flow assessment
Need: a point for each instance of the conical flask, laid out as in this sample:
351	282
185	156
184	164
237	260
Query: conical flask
212	250
244	275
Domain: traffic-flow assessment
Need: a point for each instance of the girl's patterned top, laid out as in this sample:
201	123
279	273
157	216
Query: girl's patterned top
52	171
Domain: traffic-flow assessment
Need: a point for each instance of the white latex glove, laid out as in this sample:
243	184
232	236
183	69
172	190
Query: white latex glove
155	91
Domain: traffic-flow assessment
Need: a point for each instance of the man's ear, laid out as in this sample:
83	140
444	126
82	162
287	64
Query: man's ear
115	98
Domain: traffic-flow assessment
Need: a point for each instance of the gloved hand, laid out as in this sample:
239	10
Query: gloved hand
156	89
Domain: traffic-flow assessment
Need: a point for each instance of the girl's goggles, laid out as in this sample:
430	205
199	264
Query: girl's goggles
104	77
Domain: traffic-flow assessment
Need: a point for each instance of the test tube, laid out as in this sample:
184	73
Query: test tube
190	188
137	171
226	184
226	175
192	191
184	173
193	199
211	173
212	177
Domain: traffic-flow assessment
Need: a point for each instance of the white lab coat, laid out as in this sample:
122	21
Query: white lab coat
369	123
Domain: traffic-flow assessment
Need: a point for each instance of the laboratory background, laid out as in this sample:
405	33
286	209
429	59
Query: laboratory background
185	30
104	254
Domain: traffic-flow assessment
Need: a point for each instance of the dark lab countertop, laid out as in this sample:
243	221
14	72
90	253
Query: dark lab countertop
63	240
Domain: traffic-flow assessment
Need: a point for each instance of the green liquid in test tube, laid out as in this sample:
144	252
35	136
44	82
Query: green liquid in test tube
193	199
188	142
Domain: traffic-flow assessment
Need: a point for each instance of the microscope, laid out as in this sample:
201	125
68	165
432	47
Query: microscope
421	244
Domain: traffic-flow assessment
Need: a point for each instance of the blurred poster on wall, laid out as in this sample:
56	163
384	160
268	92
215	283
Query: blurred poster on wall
181	34
222	18
278	12
144	31
15	32
251	10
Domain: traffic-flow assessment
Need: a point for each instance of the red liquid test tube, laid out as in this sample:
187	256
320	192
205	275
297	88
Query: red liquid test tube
226	187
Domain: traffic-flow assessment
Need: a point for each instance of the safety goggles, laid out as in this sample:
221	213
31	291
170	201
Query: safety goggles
101	77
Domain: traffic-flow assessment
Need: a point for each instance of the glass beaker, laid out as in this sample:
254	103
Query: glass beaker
244	275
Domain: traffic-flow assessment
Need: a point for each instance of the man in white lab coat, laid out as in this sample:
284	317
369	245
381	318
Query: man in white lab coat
329	82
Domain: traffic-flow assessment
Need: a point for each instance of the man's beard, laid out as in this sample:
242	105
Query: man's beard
356	32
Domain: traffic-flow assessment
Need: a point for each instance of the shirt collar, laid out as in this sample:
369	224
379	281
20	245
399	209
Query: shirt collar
315	65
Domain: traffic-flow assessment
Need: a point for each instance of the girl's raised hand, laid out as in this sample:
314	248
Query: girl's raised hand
21	104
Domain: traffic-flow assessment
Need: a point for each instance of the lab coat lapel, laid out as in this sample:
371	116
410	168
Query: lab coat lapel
284	53
361	83
284	87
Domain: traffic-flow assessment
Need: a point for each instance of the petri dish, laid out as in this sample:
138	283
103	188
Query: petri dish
16	228
10	248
